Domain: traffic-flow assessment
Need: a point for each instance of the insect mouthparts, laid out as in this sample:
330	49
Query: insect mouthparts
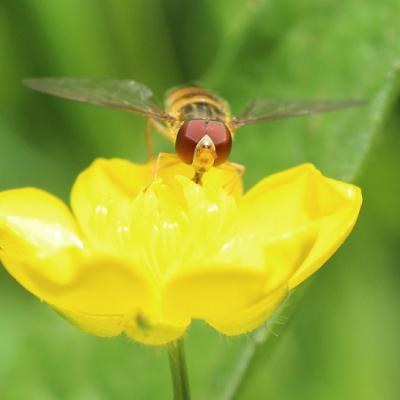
206	143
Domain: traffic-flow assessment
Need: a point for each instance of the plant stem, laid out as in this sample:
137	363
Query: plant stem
178	369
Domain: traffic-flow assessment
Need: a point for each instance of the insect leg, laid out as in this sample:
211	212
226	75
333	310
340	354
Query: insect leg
164	130
237	171
165	160
149	143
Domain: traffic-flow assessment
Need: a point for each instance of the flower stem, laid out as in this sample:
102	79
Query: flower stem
178	369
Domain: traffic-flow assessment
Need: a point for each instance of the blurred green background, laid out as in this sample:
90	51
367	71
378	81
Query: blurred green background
343	340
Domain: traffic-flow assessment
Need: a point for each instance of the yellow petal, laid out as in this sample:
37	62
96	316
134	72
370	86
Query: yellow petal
283	256
99	325
154	330
296	199
91	285
333	230
286	254
101	198
41	248
279	203
150	255
33	222
106	286
225	176
137	326
251	317
175	227
212	292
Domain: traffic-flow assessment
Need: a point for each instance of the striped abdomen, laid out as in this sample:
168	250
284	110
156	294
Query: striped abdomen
190	103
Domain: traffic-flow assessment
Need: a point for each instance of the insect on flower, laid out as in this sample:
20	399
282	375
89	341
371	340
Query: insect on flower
195	120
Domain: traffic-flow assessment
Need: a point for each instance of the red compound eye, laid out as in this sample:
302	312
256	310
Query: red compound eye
191	132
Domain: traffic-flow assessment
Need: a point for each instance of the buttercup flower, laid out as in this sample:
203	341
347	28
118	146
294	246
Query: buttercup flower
145	256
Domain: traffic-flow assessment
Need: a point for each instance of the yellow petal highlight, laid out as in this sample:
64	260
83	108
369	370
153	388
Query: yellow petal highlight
33	222
101	198
147	250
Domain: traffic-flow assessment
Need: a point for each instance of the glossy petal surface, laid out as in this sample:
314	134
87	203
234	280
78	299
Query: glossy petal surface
147	250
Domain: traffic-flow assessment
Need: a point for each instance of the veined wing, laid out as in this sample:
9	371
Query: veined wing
124	95
272	109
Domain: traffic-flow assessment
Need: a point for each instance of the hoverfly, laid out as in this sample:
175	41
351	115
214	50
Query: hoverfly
194	119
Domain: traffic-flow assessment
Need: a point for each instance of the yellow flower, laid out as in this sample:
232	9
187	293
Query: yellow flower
146	257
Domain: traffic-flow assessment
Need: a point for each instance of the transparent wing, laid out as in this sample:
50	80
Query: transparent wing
124	95
273	109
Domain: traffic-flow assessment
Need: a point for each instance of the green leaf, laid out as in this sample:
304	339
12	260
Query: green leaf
312	50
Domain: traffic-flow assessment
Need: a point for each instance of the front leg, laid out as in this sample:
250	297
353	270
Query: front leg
163	162
236	171
165	130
